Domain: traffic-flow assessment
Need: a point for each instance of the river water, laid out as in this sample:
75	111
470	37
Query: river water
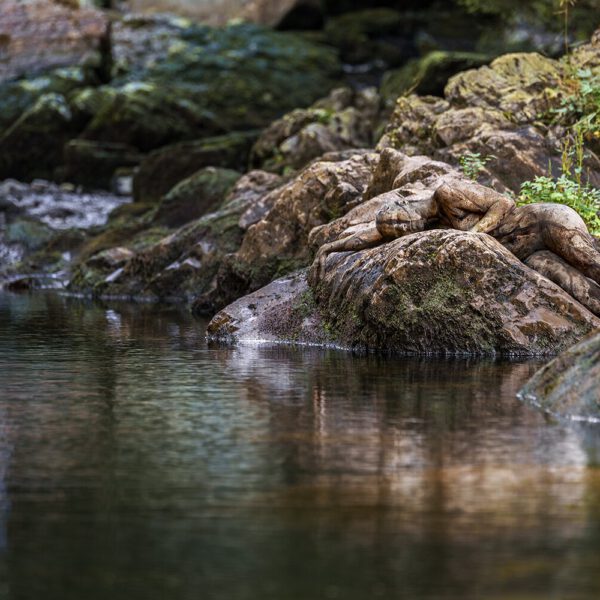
136	461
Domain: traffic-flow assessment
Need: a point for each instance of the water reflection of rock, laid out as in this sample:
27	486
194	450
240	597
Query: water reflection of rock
276	469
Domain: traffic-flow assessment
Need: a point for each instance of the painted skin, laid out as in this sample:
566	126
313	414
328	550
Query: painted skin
550	238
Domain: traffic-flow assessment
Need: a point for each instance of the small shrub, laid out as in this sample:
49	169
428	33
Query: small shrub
580	108
473	163
564	190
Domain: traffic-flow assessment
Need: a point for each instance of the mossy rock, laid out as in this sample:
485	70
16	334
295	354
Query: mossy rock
148	115
445	292
94	163
32	146
428	75
18	96
162	169
195	196
32	235
211	81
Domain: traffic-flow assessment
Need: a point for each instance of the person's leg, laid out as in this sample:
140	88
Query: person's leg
360	240
565	233
567	277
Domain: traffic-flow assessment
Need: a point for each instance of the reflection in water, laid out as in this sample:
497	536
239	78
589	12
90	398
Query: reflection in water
136	462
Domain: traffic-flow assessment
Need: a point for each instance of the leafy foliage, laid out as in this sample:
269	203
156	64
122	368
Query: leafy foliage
564	190
473	163
580	107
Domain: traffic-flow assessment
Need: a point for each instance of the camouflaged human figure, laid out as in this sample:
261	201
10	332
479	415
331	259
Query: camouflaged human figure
550	238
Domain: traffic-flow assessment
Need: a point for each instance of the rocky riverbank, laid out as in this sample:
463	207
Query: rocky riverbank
229	156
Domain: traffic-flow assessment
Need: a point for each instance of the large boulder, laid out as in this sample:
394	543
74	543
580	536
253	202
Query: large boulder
568	386
33	145
436	292
16	96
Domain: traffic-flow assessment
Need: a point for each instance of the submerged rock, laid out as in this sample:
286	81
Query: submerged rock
568	386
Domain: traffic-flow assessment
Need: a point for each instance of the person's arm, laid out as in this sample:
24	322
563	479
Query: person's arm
494	215
468	206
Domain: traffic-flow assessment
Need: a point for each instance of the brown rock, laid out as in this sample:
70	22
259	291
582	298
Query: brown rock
343	120
446	291
277	244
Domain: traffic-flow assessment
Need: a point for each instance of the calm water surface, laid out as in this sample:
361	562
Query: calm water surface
138	462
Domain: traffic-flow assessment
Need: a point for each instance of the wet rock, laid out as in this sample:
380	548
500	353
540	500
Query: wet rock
95	163
59	207
283	311
437	292
568	386
341	121
447	292
43	226
177	266
32	235
278	243
195	196
40	35
252	192
428	75
162	169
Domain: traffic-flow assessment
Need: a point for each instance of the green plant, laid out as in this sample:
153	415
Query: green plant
564	190
473	163
580	107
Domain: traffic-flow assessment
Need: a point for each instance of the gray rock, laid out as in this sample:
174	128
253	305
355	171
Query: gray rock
569	385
